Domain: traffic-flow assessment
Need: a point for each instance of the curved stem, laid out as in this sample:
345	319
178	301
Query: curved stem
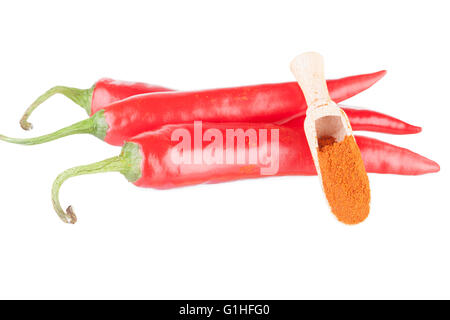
84	126
82	97
129	163
115	164
95	125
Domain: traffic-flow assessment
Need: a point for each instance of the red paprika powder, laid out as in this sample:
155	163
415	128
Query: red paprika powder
344	178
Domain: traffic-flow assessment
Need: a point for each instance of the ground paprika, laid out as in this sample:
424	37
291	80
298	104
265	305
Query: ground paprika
344	179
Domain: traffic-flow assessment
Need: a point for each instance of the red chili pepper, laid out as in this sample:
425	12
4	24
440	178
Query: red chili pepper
368	120
234	102
127	118
147	159
114	131
378	122
104	92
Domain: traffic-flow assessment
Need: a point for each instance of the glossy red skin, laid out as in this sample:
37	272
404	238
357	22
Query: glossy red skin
368	120
107	91
158	170
259	103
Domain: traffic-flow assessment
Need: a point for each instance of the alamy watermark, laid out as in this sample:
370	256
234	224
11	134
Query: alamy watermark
230	149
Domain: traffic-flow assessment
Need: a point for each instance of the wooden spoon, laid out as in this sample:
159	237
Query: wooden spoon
325	119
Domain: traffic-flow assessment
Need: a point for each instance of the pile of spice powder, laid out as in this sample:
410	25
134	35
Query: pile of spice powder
345	180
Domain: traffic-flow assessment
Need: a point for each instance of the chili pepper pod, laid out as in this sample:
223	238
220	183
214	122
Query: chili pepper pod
235	100
127	118
97	125
147	160
368	120
104	92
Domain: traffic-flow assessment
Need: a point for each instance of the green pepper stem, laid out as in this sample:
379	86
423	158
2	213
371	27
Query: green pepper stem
80	127
82	97
128	163
115	164
95	125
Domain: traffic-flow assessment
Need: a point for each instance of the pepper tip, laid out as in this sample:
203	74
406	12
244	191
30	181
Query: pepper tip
436	167
415	129
381	74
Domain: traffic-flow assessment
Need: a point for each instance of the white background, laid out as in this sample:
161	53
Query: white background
267	238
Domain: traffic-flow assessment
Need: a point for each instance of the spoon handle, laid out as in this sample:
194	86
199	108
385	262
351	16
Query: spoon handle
309	71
